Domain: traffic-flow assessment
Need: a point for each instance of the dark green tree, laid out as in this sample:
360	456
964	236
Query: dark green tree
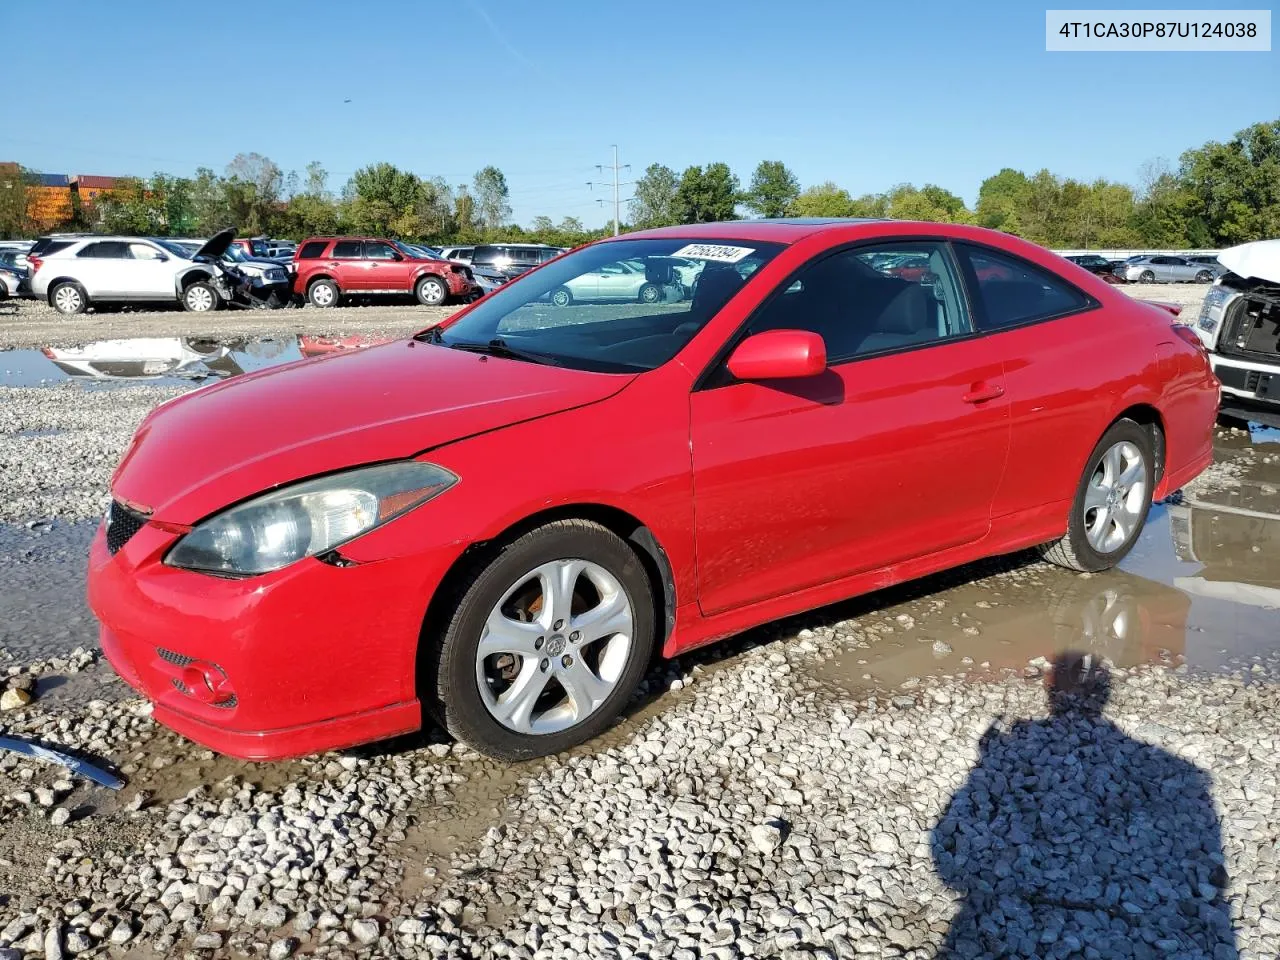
773	189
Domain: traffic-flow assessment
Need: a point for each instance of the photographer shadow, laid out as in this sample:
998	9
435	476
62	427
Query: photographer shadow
1072	839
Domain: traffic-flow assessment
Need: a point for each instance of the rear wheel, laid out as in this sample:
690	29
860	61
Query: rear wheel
561	297
431	291
650	293
1204	276
68	298
545	644
1111	502
1146	277
323	294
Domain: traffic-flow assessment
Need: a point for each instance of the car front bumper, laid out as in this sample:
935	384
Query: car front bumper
1248	379
312	657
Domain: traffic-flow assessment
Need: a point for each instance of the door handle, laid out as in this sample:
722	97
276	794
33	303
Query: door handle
981	392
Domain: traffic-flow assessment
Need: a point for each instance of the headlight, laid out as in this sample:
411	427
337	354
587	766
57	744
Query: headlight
1211	308
308	518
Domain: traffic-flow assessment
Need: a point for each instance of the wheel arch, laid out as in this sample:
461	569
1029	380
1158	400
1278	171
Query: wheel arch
59	281
1148	416
189	276
653	558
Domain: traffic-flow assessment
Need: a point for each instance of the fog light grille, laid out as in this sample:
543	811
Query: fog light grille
122	524
177	659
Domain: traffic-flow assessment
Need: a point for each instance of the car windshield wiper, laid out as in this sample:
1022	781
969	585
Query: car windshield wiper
497	347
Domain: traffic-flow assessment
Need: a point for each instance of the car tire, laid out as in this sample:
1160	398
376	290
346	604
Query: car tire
431	291
466	687
1108	512
68	298
201	297
1204	276
650	293
1146	277
323	294
561	296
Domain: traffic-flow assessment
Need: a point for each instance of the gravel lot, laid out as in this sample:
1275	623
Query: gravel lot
885	777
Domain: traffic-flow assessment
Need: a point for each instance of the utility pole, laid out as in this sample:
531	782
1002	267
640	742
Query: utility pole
616	184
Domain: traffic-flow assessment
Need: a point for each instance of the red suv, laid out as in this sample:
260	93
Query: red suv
329	268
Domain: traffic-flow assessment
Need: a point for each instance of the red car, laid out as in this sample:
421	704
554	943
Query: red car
329	268
497	522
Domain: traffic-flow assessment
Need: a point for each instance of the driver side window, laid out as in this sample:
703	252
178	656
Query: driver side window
874	299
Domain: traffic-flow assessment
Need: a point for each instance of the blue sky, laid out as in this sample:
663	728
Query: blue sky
865	94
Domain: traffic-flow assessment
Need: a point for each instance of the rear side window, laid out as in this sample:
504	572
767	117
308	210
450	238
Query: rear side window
312	249
106	250
487	254
1011	291
346	249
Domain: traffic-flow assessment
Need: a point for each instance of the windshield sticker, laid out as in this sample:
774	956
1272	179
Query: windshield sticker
713	251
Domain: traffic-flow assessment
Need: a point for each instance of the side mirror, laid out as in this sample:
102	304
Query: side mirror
779	355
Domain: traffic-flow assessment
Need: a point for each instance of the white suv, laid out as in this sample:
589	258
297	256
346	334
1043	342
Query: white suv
131	269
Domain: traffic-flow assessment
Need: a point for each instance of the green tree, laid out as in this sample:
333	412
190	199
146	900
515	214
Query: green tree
571	225
129	208
252	190
930	202
492	197
773	189
822	200
1232	189
707	196
15	200
1000	200
654	201
542	225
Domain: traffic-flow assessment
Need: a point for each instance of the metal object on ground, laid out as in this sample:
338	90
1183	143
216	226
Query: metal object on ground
32	748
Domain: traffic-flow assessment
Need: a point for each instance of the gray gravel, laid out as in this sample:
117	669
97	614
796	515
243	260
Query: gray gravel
753	815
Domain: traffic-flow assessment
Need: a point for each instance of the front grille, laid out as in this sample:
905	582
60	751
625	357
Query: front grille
122	524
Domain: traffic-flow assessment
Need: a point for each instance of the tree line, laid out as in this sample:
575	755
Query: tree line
1219	194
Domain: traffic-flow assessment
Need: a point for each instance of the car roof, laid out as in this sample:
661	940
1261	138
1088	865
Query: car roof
778	230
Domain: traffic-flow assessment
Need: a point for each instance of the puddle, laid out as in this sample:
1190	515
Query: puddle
164	361
1201	587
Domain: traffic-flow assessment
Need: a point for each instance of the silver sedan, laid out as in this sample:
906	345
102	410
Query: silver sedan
1157	268
621	280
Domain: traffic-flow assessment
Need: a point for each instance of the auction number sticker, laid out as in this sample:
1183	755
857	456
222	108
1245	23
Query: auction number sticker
719	252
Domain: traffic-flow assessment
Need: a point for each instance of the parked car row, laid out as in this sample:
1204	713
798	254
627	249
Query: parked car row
1152	268
73	271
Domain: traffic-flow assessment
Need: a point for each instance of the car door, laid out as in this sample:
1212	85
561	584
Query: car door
112	271
1056	350
616	281
1181	270
894	452
386	269
153	271
349	265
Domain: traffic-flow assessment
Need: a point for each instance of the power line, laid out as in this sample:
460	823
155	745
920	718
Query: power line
616	184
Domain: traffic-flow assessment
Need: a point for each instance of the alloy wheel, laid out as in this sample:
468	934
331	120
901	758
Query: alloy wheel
67	299
1115	497
322	295
554	648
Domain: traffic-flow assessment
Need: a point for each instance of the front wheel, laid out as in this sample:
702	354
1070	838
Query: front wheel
546	643
561	297
1111	502
431	291
200	297
1204	276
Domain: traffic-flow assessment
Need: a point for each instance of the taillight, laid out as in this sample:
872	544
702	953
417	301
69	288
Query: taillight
1183	332
35	263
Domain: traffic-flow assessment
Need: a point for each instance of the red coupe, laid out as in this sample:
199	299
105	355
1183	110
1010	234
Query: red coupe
498	521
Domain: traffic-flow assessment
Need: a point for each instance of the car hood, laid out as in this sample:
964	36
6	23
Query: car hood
221	444
216	245
1259	260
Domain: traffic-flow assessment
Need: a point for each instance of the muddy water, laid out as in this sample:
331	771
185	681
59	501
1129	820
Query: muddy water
1201	587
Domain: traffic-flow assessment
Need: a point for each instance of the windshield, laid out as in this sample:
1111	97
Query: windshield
177	249
414	251
236	254
622	306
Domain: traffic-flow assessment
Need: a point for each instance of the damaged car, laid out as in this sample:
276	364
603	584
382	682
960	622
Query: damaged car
1239	324
94	270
